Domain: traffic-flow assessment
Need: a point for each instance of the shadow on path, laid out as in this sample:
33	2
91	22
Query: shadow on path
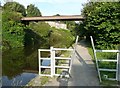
83	69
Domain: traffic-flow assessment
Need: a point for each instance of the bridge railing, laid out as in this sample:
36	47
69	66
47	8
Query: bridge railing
53	59
116	70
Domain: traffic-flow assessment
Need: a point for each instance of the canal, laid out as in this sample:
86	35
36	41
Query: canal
19	66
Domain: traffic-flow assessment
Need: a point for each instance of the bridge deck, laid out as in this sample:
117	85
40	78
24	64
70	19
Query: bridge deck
54	18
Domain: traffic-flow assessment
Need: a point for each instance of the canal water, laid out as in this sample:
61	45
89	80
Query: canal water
19	66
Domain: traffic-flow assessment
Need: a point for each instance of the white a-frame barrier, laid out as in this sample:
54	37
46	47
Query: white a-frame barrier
53	59
106	60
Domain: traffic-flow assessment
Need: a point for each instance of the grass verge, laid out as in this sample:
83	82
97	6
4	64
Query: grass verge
107	65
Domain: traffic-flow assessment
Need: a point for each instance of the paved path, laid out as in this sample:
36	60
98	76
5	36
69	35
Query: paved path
83	70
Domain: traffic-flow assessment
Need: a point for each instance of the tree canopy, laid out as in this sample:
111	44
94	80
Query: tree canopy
15	6
102	22
33	11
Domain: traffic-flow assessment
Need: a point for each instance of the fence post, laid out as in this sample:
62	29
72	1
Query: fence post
117	73
94	51
118	56
53	51
39	61
73	53
52	61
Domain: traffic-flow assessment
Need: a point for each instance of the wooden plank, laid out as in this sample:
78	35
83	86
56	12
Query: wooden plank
107	60
63	58
107	51
101	69
45	58
43	50
63	49
45	66
45	75
113	79
62	66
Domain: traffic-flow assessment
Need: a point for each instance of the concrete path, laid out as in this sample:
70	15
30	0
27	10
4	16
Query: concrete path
83	70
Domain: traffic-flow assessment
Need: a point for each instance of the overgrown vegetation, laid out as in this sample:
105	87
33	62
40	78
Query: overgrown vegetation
16	35
40	34
12	30
103	23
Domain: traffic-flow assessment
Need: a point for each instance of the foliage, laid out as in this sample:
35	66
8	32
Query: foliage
33	11
41	28
102	22
12	30
61	38
52	36
13	62
44	80
11	16
15	6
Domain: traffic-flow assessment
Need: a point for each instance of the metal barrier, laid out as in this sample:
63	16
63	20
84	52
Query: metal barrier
106	60
53	59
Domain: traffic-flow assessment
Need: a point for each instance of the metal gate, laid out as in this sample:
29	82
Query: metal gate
116	60
52	58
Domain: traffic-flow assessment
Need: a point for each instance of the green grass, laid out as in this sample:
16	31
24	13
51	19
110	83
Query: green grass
107	65
44	79
61	62
58	71
108	83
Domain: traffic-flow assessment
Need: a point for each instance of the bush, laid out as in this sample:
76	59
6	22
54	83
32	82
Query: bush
102	22
12	30
61	38
15	6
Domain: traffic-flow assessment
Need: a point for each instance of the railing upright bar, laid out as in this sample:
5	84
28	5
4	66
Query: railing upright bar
117	67
39	61
73	53
94	51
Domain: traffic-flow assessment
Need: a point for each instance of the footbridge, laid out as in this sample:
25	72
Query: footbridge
54	18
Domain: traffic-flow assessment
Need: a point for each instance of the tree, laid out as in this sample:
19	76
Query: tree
12	30
15	6
33	11
102	22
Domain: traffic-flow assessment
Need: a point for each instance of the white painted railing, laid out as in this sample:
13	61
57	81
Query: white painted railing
106	60
53	59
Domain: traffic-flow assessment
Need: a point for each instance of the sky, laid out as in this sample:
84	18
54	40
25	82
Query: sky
53	7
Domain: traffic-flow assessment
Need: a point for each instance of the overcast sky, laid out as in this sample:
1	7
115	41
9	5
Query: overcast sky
52	7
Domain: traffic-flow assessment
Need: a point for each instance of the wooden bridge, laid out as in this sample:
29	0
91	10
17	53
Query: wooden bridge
55	18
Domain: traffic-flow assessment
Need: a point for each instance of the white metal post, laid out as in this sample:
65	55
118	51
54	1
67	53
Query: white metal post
39	56
52	61
53	51
73	53
117	67
95	58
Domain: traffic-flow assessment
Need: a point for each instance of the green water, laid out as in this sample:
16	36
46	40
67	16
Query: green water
19	66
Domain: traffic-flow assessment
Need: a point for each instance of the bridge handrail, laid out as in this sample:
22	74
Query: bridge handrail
117	51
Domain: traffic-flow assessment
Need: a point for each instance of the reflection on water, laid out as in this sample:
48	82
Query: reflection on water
19	66
19	80
46	62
